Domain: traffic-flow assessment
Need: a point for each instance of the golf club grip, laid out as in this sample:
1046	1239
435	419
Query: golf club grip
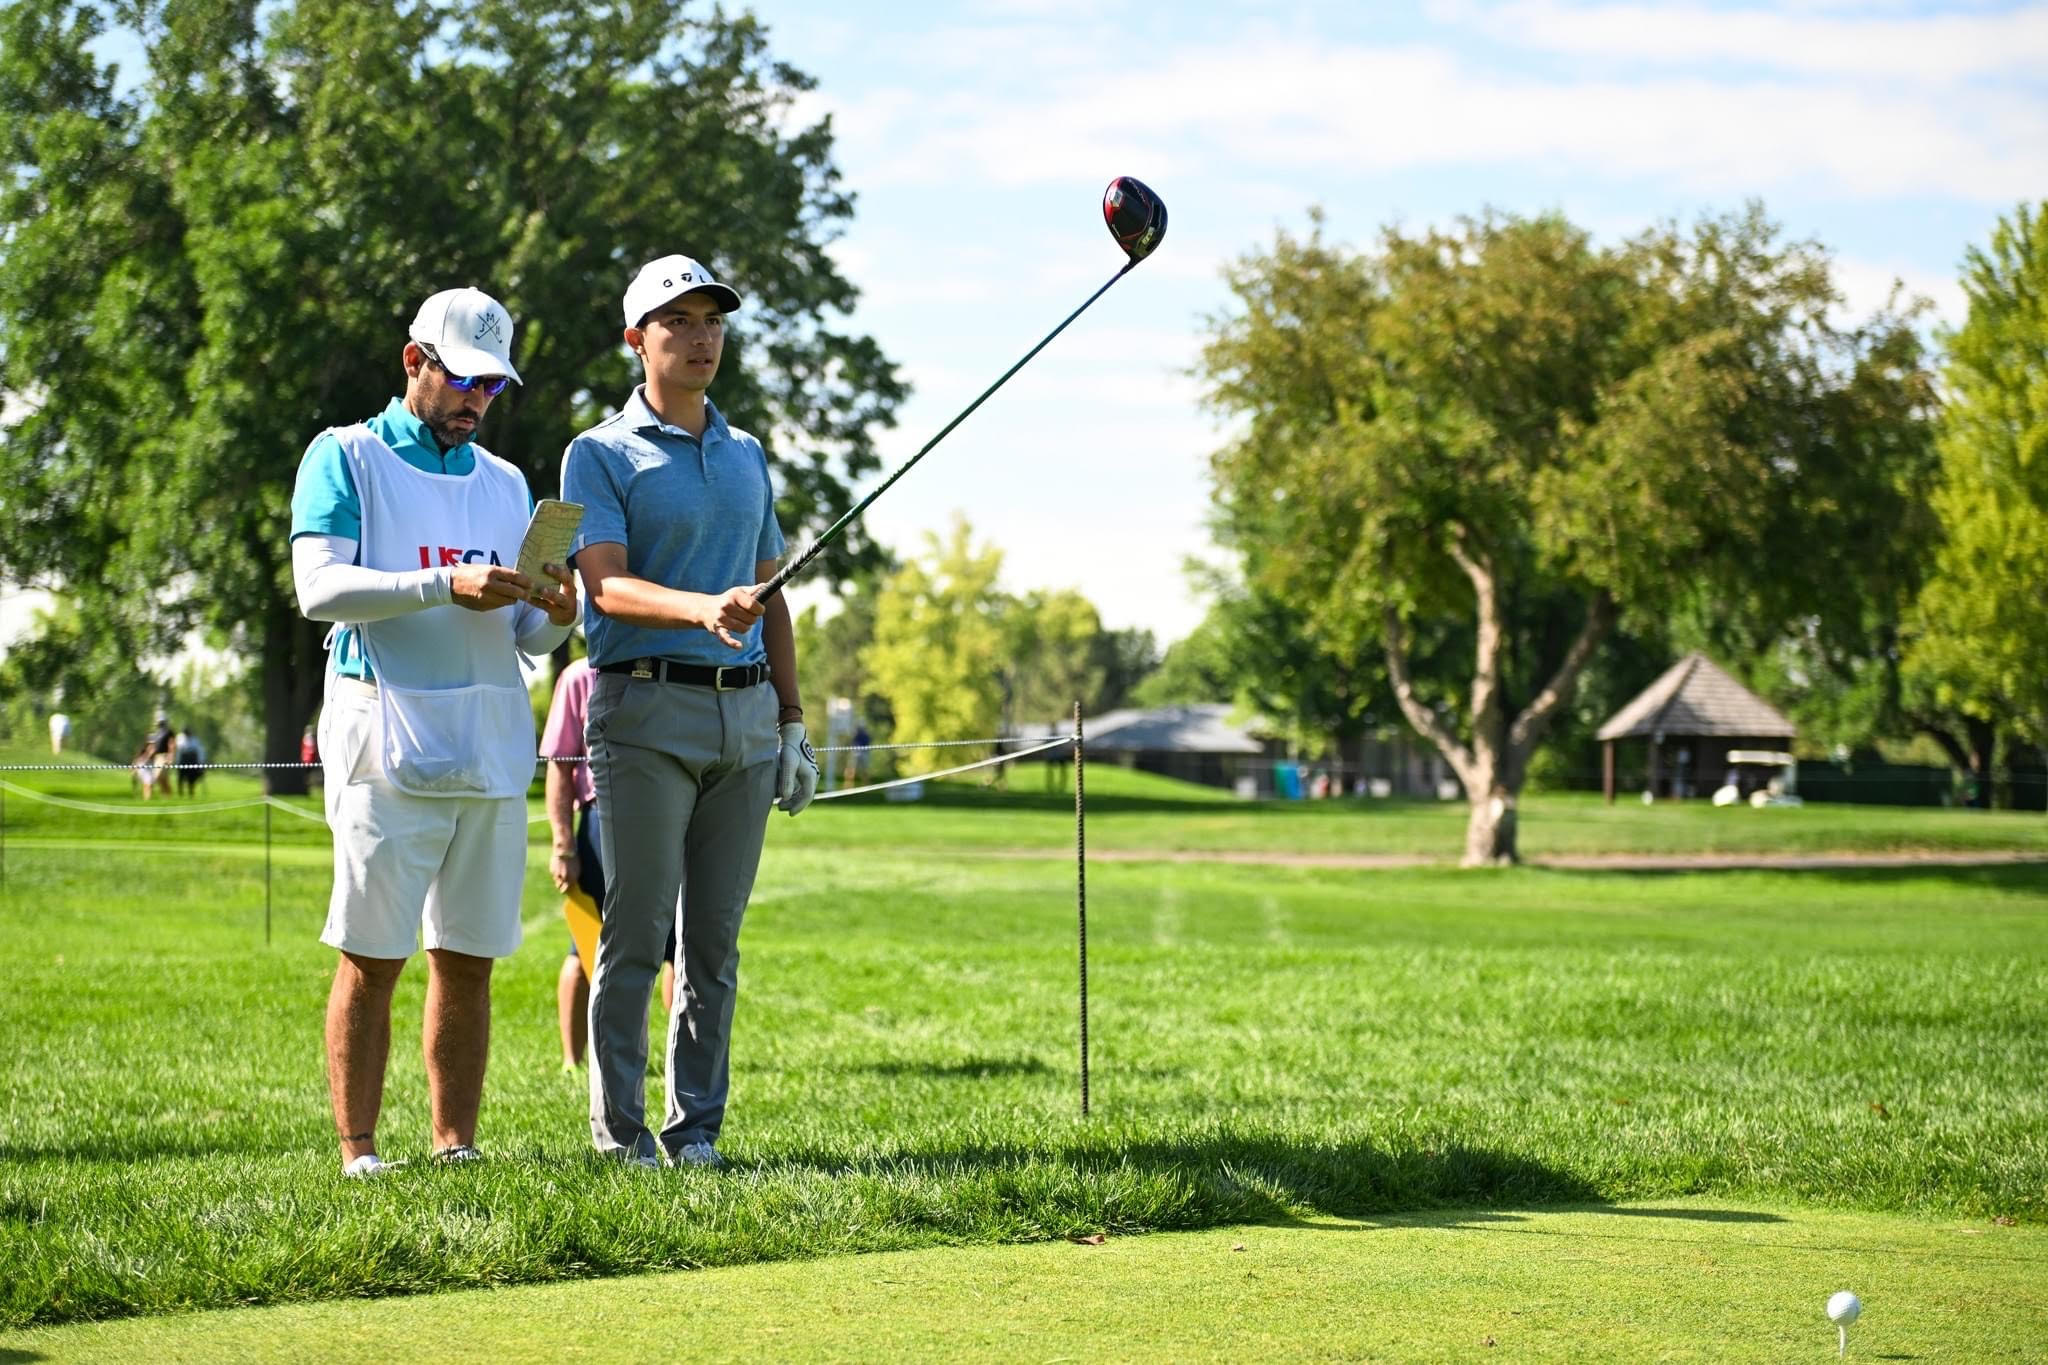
788	571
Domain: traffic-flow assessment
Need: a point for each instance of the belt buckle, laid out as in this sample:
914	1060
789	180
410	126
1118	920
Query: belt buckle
642	668
718	679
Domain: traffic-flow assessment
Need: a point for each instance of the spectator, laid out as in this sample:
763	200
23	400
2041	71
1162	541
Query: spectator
190	753
153	759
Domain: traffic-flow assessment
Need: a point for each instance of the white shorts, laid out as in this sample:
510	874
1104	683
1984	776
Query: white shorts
413	871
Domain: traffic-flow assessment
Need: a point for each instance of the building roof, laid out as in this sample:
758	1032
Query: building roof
1202	728
1697	697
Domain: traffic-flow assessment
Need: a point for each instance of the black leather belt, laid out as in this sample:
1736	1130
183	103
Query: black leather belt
729	678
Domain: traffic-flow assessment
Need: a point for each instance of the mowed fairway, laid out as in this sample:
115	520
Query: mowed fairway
1271	1044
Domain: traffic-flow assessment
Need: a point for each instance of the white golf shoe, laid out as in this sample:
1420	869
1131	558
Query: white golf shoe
697	1154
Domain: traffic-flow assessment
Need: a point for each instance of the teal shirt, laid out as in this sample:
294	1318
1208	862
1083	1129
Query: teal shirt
325	501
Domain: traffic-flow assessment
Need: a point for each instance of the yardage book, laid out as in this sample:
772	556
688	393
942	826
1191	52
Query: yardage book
548	538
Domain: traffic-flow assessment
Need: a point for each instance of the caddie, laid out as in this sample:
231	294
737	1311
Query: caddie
406	534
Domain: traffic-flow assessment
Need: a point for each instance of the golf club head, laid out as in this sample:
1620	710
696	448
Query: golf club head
1136	216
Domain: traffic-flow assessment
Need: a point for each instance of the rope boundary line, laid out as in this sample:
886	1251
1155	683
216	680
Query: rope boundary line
209	767
250	803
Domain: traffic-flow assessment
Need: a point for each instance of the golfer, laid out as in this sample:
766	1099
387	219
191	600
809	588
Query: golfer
695	724
402	528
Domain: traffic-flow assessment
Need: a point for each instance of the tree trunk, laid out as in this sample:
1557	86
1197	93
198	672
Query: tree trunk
1971	754
1493	765
1983	740
1490	831
292	667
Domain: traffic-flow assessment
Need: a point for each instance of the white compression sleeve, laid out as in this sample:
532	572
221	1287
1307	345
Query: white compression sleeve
534	632
332	587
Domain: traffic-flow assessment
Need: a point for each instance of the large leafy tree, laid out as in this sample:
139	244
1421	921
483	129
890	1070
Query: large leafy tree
1982	637
938	650
1507	433
202	269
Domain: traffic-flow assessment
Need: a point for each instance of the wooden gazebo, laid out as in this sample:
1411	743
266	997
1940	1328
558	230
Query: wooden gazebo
1693	716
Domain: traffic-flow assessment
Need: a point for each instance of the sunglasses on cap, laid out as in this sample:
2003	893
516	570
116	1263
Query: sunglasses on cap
491	387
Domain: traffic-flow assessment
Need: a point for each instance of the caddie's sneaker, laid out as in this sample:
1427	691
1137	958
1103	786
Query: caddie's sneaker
642	1161
697	1154
461	1154
369	1164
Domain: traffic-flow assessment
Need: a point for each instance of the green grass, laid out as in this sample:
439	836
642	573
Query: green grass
1688	1280
1270	1043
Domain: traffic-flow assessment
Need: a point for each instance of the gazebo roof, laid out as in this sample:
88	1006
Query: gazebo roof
1697	697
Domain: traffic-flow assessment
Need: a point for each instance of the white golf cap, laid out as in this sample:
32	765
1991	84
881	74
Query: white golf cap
672	277
470	331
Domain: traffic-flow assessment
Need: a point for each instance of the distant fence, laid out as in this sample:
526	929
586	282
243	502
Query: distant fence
1861	782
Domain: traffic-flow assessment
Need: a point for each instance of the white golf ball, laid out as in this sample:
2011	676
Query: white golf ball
1843	1308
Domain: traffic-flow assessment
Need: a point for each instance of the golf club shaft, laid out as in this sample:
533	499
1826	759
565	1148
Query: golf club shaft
810	552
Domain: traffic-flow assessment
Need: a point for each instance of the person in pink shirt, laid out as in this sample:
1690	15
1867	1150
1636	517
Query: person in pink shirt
572	819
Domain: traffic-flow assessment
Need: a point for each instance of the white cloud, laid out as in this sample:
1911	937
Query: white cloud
1204	113
1937	48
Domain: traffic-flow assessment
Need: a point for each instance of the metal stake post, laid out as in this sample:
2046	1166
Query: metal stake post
1081	893
266	871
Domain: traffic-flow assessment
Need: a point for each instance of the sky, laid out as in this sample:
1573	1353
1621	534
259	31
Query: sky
978	138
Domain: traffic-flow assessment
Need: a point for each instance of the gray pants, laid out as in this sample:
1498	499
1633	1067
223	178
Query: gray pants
685	777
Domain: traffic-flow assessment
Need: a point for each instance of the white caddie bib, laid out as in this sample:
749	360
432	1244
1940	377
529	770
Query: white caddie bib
453	714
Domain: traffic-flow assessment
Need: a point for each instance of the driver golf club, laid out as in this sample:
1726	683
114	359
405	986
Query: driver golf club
1137	219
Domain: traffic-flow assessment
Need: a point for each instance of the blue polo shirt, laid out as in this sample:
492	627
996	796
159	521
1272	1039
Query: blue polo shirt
695	515
325	501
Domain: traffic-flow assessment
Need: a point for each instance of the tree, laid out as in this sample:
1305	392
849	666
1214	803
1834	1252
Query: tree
938	653
1492	443
1250	650
1051	658
829	651
197	278
87	669
1124	658
1982	640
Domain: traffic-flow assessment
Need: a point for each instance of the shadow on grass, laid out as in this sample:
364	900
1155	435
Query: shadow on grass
128	1147
1693	1215
10	1356
970	1069
2027	877
1207	1180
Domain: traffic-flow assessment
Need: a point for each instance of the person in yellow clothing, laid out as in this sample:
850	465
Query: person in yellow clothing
575	865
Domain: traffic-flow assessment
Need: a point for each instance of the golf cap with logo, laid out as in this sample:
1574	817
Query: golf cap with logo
671	277
470	331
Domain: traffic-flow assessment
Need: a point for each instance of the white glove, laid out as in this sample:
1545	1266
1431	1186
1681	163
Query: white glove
796	769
